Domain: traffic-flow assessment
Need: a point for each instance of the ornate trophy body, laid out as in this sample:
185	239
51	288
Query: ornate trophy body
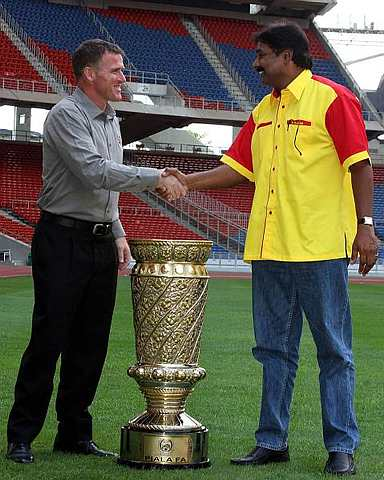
169	292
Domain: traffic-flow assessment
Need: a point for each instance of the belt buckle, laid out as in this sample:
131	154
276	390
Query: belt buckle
99	229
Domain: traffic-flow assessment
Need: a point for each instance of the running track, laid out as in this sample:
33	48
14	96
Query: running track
21	271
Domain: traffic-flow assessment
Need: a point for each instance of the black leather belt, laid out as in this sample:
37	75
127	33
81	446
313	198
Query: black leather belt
97	229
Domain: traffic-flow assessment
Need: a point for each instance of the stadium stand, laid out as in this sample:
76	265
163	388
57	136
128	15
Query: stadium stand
20	171
158	42
14	66
239	198
57	29
141	221
16	230
187	163
154	41
233	38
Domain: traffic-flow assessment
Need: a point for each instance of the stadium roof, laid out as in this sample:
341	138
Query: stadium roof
293	8
303	9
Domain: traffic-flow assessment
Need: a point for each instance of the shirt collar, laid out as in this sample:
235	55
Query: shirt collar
297	86
93	110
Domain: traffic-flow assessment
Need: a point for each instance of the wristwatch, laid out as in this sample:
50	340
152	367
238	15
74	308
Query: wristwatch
365	221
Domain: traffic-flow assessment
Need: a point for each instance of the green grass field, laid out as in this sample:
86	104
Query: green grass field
227	401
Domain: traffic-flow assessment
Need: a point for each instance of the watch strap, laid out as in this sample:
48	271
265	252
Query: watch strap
365	221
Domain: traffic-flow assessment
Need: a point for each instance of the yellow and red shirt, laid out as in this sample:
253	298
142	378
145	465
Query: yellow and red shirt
297	146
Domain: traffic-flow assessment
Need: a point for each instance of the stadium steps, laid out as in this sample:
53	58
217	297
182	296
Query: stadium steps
7	213
141	221
227	236
158	41
31	52
212	58
15	228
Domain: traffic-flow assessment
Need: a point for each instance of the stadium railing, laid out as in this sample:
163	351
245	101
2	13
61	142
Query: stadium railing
10	83
221	231
169	101
32	48
20	136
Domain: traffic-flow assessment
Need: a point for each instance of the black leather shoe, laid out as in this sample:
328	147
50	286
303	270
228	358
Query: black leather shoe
20	452
339	463
83	447
262	456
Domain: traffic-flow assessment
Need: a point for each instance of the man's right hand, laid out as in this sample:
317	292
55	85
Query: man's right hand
171	186
175	172
219	177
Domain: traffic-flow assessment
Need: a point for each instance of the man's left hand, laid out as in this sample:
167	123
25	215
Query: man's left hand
123	252
365	246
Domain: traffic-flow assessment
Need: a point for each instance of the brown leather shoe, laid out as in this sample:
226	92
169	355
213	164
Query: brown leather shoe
340	463
19	452
83	447
262	456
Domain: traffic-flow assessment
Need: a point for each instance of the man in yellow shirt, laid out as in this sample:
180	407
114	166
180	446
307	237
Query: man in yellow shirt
305	147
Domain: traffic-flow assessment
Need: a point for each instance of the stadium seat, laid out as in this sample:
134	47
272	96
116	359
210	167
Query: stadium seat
234	39
158	42
16	70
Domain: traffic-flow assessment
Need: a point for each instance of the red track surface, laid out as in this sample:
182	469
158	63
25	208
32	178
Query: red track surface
8	271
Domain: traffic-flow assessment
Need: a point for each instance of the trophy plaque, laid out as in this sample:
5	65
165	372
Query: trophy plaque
169	293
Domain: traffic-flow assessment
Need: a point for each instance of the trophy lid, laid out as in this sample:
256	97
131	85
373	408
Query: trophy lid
161	251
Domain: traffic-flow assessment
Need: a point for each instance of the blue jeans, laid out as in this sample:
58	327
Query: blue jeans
282	291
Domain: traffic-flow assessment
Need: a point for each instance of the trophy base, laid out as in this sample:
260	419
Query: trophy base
160	450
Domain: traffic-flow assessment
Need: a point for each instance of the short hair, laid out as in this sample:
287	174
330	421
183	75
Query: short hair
90	53
282	36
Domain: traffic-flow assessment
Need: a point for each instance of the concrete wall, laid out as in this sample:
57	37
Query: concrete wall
19	250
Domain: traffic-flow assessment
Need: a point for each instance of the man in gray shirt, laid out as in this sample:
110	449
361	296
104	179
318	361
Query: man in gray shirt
79	244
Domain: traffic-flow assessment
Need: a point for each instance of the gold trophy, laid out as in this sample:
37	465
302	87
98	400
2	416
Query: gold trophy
169	293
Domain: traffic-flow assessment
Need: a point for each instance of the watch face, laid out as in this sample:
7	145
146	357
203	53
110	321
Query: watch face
366	221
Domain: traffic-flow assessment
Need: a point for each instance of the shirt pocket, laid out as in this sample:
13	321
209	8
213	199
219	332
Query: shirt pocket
300	134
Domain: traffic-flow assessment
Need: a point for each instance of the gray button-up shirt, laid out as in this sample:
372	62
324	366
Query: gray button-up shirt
83	167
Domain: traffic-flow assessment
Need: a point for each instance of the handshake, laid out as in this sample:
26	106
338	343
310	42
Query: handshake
172	184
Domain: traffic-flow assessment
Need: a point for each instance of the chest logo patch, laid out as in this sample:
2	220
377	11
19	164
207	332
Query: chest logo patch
299	121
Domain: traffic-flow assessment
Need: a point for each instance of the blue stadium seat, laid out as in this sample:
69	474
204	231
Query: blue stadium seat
61	27
242	59
378	209
158	50
64	27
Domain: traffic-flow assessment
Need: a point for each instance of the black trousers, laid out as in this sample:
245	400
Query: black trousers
74	274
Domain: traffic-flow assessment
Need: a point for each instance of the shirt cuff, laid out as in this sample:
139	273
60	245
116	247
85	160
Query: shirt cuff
150	177
117	229
357	157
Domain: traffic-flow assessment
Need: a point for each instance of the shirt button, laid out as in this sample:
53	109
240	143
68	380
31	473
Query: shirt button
273	169
283	106
275	147
270	212
272	191
278	126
